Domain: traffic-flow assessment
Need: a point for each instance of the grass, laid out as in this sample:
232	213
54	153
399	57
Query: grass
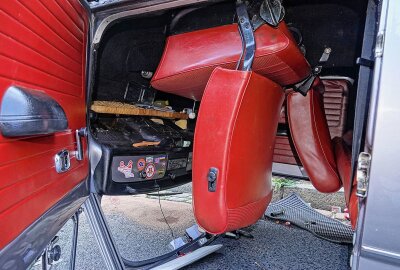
280	182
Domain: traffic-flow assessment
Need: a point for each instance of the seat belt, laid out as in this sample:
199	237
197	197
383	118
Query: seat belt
364	86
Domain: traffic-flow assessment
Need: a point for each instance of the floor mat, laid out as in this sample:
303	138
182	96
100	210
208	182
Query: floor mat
296	211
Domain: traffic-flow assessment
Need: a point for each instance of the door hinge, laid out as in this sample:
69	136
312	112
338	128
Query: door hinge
380	41
363	166
79	134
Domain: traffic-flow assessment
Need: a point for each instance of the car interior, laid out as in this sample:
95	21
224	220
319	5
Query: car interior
190	94
220	98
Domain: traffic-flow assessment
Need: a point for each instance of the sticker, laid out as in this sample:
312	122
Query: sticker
126	169
150	170
141	163
149	159
159	160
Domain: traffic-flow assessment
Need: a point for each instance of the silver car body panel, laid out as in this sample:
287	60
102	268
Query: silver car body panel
378	237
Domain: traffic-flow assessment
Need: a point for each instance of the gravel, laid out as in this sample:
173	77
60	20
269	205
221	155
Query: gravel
140	232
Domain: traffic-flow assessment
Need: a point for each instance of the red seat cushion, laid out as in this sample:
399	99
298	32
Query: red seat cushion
189	58
311	138
235	133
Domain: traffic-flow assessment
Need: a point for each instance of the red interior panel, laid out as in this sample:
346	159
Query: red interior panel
335	104
283	151
189	58
42	47
235	134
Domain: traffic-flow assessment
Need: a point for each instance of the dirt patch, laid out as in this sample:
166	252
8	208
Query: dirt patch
147	212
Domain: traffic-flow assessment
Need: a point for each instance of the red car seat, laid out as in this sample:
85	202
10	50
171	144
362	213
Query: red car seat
326	161
189	59
233	147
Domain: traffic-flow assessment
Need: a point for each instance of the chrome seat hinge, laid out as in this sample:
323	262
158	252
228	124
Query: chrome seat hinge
363	166
79	134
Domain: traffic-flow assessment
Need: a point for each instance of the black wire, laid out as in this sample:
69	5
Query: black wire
162	212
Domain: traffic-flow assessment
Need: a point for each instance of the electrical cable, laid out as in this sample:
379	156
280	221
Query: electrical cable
162	212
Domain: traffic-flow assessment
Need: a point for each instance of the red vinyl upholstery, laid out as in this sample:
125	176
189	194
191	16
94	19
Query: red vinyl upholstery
235	133
335	104
311	138
189	58
326	161
42	47
343	160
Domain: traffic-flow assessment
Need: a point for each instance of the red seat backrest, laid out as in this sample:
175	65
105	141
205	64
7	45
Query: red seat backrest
310	134
235	134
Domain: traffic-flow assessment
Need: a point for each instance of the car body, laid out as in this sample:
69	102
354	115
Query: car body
52	160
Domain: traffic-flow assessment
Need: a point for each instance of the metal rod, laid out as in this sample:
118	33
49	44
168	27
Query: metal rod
75	220
44	260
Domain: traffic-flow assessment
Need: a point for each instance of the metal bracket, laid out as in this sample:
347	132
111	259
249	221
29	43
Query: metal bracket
304	86
363	166
247	35
365	62
51	254
380	41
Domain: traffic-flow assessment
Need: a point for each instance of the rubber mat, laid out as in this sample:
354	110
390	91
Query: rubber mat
296	211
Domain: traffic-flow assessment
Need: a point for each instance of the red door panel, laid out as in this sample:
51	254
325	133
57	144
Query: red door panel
42	47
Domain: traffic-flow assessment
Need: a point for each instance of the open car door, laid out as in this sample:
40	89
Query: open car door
42	105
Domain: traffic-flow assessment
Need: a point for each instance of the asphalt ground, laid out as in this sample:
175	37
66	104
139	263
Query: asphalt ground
140	232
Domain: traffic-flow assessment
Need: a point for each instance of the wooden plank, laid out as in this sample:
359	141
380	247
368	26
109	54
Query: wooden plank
113	107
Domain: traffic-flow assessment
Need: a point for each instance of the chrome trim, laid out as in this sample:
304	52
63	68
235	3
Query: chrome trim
333	77
62	161
380	252
102	233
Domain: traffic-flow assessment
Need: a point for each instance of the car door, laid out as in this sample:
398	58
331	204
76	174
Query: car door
42	104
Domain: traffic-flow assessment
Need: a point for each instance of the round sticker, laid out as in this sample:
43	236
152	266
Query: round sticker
141	163
150	170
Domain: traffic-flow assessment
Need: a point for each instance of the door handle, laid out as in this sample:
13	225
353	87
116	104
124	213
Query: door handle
79	134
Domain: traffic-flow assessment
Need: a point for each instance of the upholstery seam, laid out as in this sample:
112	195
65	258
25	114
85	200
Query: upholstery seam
319	140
